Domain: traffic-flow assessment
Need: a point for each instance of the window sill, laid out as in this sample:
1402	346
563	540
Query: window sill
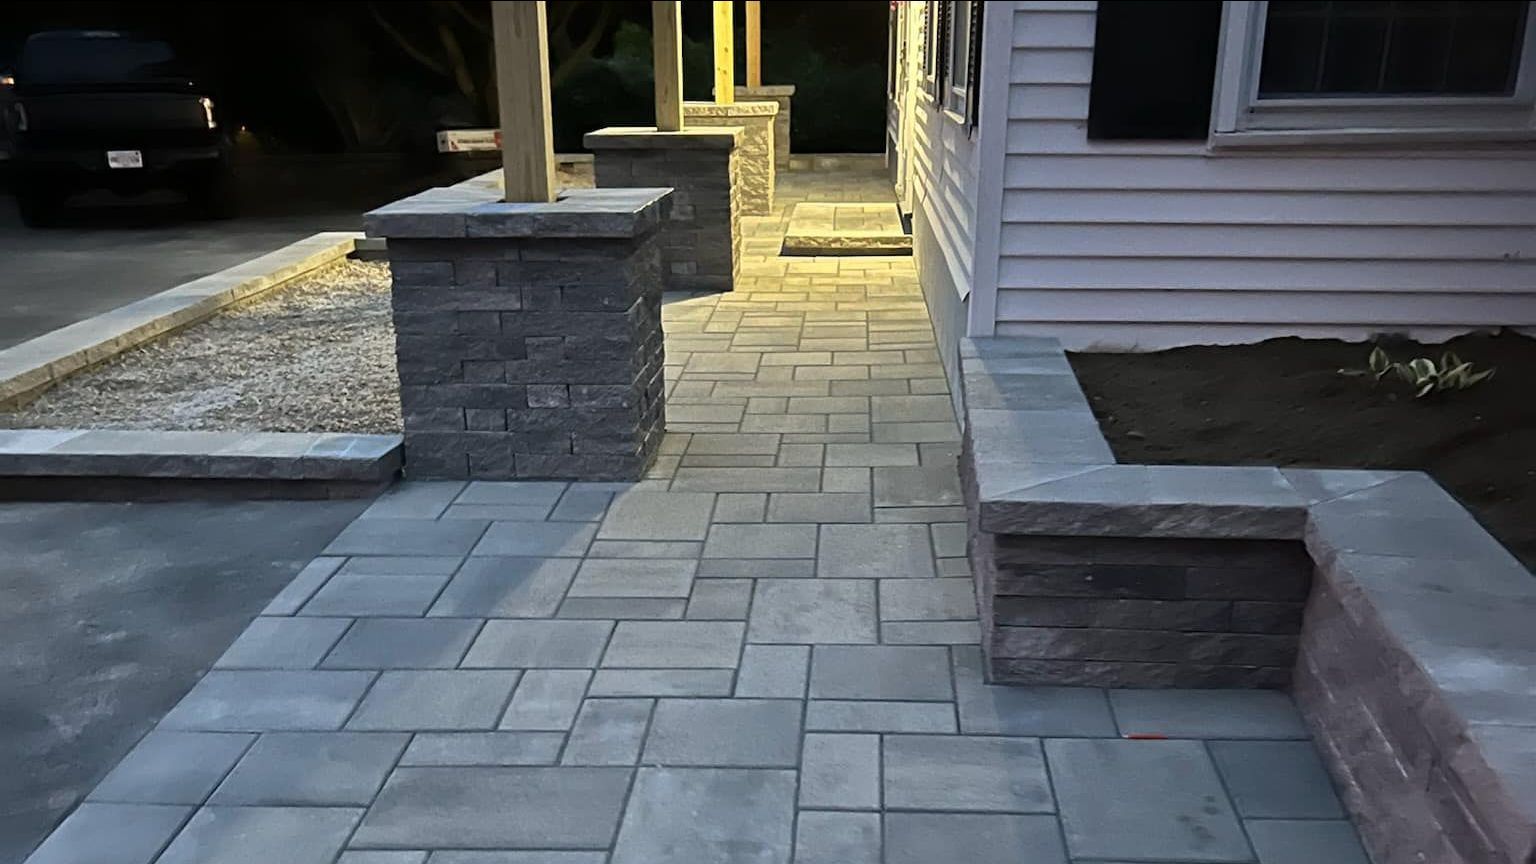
1257	139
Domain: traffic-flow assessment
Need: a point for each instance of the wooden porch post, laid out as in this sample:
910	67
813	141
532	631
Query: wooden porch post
754	43
667	59
522	86
725	53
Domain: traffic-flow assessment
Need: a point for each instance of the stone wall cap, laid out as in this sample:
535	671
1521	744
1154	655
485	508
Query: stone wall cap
730	109
766	90
474	210
651	138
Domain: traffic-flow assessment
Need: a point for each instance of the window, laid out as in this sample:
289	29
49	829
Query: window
1154	64
1332	68
957	62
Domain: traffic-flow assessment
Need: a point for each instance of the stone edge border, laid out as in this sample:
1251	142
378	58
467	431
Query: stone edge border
157	453
1416	647
28	369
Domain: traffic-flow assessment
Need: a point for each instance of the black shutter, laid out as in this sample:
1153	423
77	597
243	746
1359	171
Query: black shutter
1154	66
973	75
941	52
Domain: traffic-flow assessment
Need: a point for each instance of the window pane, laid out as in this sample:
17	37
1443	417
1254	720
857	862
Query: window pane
1406	47
960	41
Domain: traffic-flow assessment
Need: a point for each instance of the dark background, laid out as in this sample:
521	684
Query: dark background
382	77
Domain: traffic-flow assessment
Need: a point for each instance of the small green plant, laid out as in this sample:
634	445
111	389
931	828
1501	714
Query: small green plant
1422	373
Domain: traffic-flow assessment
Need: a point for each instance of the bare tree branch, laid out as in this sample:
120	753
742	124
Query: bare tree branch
482	26
583	50
407	46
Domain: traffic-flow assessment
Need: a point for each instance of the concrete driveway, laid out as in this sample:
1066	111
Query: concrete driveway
109	612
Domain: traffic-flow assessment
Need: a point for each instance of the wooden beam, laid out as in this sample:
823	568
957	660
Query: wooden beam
754	43
522	86
725	52
667	57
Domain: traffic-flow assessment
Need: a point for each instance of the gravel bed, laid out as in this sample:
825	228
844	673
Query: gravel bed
317	355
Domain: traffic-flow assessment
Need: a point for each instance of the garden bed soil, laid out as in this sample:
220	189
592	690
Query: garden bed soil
1284	402
315	355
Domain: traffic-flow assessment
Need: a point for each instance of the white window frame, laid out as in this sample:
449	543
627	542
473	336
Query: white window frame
1240	118
957	81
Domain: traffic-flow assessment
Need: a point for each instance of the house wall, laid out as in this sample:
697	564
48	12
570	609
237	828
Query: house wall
1144	245
935	170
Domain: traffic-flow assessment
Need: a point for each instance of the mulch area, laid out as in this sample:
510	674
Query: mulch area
1284	402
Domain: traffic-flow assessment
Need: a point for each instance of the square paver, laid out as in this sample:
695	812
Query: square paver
382	586
110	834
506	588
949	539
283	643
403	643
674	644
1158	800
720	599
408	537
912	673
638	515
708	816
822	611
256	835
435	699
1279	841
740	507
565	644
629	577
262	701
927	599
840	771
987	709
1208	713
774	671
837	838
974	838
581	504
546	699
917	486
537	539
172	768
763	733
874	552
608	732
312	769
1276	779
496	808
950	772
761	541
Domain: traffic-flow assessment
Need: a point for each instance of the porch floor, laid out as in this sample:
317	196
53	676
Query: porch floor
764	652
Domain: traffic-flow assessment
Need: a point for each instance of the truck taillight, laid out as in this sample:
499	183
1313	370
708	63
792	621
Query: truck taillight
208	112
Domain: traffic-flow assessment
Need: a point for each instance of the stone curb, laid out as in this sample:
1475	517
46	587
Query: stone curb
28	369
310	456
1414	651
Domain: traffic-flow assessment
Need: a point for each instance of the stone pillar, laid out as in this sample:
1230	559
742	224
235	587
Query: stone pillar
527	335
756	149
783	94
701	239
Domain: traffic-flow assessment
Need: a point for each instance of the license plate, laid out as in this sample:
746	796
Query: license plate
125	159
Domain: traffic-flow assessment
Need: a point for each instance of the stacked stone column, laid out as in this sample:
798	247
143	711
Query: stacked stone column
783	94
701	240
528	336
758	145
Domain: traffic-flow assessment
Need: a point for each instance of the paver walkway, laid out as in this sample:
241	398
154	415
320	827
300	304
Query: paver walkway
764	653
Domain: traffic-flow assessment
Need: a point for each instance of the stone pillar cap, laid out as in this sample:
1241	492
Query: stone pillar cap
651	138
474	209
730	109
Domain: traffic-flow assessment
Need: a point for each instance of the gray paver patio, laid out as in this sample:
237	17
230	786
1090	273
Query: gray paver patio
764	651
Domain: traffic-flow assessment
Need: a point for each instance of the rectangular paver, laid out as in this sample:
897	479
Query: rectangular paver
172	768
538	645
312	769
608	732
708	816
498	587
262	701
435	699
874	552
253	835
674	644
813	611
763	733
955	772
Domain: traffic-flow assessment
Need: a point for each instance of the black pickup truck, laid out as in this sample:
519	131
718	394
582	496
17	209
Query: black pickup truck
108	109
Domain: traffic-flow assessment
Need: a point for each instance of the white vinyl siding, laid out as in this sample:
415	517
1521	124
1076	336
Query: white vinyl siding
1148	244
